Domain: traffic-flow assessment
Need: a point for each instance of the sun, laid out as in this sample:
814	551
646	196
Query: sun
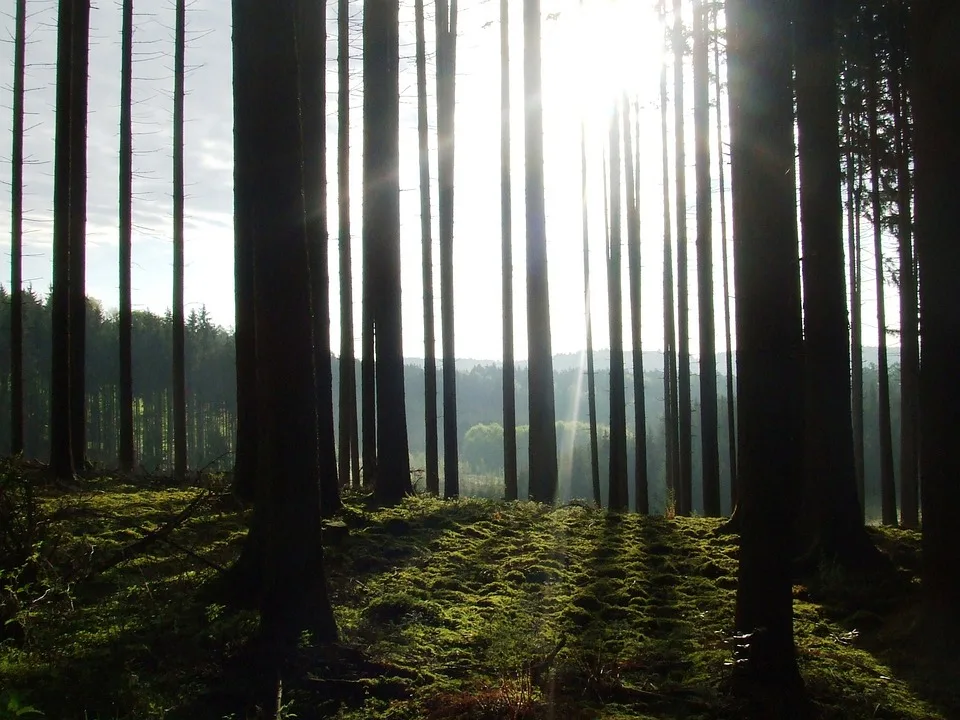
598	50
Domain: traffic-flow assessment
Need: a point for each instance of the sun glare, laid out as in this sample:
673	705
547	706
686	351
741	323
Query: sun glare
600	50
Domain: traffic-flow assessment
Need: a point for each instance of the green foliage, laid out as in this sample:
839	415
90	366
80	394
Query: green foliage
468	609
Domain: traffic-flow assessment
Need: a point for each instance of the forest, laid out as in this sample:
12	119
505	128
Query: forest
303	515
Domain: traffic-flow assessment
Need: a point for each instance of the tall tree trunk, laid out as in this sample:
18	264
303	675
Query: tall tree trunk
125	319
685	469
728	337
671	436
831	503
446	22
909	325
641	493
16	233
348	370
381	229
888	492
179	348
543	428
853	259
709	441
78	231
937	153
591	375
617	496
769	345
312	53
426	218
511	491
273	80
61	454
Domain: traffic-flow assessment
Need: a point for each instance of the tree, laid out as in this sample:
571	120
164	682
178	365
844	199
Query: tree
268	94
591	375
16	233
426	220
669	325
831	499
641	492
684	487
511	491
617	496
769	344
179	349
888	492
349	450
937	152
709	442
721	175
312	53
381	230
543	431
126	454
909	327
446	22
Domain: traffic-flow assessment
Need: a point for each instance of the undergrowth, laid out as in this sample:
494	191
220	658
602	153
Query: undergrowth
474	609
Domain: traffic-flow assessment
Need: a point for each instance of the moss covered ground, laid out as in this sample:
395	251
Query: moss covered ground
472	609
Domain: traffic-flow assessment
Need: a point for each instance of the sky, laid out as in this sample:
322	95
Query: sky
592	54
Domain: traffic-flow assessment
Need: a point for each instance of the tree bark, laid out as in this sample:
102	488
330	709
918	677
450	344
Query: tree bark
709	441
179	346
381	229
543	429
617	499
16	233
936	72
888	492
641	493
685	470
591	375
511	490
125	320
426	236
769	346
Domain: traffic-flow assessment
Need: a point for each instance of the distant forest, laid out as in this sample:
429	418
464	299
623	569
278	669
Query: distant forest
211	405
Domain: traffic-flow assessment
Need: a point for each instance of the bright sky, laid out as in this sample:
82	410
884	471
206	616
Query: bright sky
590	57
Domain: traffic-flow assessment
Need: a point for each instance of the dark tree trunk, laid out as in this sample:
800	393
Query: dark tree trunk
769	346
125	319
312	53
721	174
709	441
348	370
937	155
591	375
685	469
272	80
909	328
78	232
543	428
831	503
426	218
640	482
888	491
671	437
511	491
381	230
16	233
856	343
617	495
61	454
446	22
179	346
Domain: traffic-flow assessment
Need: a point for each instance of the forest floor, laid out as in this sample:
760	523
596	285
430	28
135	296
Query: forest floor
472	609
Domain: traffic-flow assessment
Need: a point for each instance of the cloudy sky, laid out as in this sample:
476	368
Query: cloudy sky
590	57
